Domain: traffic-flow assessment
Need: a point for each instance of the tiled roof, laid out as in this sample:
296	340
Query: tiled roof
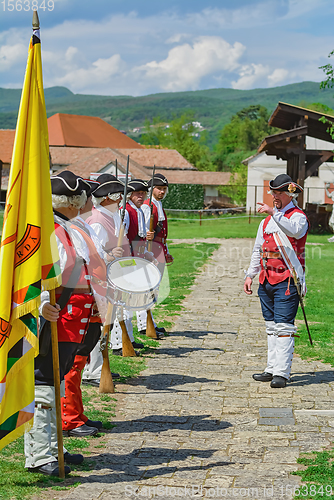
162	158
6	145
66	156
86	132
94	161
198	177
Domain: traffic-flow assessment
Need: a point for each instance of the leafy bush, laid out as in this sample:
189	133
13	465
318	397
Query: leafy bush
185	197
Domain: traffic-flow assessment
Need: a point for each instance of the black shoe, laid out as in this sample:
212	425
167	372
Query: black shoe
115	375
81	431
142	332
93	381
160	329
263	377
138	345
49	469
73	459
117	352
278	382
94	423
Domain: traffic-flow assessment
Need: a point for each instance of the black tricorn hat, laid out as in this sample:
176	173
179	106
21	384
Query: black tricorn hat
108	184
138	185
92	185
159	180
283	182
68	184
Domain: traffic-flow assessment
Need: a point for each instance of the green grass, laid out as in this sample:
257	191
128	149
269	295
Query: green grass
319	303
225	226
318	475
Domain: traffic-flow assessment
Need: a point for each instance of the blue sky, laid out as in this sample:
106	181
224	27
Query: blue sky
127	47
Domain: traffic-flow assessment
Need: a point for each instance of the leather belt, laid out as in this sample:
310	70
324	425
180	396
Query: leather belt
271	255
160	240
43	407
76	290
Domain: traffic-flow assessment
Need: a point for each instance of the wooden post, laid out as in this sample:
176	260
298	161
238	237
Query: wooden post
249	215
127	347
56	382
255	200
150	330
106	382
200	217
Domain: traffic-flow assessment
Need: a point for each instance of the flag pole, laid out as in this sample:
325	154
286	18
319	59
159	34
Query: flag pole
55	353
56	382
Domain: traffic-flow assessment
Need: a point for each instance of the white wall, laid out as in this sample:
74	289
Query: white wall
263	167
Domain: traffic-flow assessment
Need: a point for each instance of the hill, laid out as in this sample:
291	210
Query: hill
213	108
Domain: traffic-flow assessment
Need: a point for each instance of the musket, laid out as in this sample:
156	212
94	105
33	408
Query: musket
124	197
127	347
106	382
149	243
301	302
150	330
116	168
297	283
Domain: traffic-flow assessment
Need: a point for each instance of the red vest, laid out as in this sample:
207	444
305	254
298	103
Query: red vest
161	236
276	270
73	320
137	243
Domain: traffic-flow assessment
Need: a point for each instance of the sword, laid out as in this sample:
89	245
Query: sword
296	282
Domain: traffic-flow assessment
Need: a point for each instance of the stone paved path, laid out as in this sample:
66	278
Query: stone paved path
195	424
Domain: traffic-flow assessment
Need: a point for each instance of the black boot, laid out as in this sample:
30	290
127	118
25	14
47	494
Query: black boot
278	382
263	377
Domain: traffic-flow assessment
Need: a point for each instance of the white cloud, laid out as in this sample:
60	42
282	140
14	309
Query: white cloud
185	65
99	74
251	75
11	55
278	76
177	38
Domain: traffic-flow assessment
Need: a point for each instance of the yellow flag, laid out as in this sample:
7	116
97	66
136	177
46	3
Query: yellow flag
29	256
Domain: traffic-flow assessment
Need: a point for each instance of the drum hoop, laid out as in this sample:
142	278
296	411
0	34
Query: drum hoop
134	292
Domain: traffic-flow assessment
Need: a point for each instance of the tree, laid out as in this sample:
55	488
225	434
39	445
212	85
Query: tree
328	83
180	134
242	135
238	140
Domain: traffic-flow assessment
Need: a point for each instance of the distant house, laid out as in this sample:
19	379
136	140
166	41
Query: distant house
89	147
262	168
6	148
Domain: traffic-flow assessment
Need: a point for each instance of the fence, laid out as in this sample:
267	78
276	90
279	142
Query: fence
208	215
312	194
